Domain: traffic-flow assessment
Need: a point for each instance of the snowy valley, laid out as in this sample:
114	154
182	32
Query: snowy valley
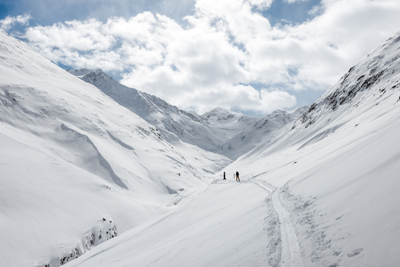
218	130
94	173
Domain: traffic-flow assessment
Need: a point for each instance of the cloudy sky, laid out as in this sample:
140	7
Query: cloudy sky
250	56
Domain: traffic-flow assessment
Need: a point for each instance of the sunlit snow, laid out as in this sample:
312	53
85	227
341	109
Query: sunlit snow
93	173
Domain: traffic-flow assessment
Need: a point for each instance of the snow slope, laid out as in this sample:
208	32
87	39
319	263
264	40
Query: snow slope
203	231
322	192
174	124
338	167
73	162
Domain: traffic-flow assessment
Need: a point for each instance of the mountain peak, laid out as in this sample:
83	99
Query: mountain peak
219	109
80	73
219	114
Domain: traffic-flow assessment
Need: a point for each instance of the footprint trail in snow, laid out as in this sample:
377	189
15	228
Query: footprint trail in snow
291	256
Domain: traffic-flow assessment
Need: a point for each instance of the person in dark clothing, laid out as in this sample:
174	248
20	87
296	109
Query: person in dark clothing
224	176
237	176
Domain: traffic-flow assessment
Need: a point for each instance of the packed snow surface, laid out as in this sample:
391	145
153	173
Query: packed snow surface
94	173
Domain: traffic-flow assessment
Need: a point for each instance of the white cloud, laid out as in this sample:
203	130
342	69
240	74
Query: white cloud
226	44
295	1
8	21
261	4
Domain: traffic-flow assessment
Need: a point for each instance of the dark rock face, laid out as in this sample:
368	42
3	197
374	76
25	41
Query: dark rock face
371	74
103	231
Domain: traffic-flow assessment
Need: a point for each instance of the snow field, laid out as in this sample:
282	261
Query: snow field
341	189
225	226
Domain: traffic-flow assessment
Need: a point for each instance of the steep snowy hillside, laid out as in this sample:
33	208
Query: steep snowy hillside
262	131
77	168
174	124
338	167
371	81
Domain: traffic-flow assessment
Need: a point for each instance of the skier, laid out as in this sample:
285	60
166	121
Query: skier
224	176
237	176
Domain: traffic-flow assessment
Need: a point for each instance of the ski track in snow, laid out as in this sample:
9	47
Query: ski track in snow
291	256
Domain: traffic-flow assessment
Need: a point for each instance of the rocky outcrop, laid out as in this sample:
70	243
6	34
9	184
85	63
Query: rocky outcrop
103	231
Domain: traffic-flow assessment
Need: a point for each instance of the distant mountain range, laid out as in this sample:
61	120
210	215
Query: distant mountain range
218	130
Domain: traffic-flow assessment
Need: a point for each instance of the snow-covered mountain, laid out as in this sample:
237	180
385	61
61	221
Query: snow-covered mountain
338	165
229	123
259	132
76	167
216	131
174	124
83	164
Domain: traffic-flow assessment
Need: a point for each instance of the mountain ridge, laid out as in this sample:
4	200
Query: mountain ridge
336	166
215	130
174	124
